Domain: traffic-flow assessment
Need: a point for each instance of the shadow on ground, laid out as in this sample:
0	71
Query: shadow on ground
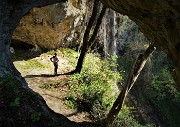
45	75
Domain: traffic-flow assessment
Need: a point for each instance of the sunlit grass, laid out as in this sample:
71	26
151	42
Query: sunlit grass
71	55
29	64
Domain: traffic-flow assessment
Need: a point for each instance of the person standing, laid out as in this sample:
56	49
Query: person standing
55	61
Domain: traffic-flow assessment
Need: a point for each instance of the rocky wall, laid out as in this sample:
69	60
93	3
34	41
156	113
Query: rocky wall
53	26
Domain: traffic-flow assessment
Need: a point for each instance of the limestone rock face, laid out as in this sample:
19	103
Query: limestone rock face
53	26
159	20
117	31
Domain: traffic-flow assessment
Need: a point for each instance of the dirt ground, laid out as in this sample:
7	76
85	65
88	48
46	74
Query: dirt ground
55	99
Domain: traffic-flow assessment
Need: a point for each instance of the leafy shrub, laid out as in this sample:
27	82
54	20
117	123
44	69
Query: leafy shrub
160	92
36	116
95	90
16	102
165	98
70	102
155	86
125	119
95	87
71	55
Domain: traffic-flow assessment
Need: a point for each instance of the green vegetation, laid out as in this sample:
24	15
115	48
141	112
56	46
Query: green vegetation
126	119
71	55
8	80
71	102
36	116
163	94
155	86
30	64
33	63
67	53
19	106
52	52
7	84
50	86
16	102
94	90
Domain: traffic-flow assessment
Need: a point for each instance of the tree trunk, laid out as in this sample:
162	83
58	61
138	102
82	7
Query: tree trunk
98	24
84	47
86	43
134	72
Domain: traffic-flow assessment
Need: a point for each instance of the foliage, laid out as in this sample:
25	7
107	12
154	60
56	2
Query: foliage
19	105
16	102
7	84
50	85
94	88
8	81
128	53
71	55
125	119
66	53
162	84
51	52
155	86
160	91
71	102
164	97
36	116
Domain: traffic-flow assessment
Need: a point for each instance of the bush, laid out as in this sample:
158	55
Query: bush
94	89
125	119
71	55
165	98
161	92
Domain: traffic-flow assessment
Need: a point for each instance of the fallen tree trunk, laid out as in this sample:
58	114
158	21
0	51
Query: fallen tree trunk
134	72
